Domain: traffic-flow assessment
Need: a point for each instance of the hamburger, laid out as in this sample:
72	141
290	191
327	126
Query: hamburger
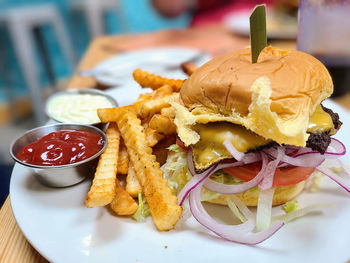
261	126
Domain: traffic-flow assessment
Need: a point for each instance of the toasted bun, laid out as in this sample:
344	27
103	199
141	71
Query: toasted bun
282	195
274	97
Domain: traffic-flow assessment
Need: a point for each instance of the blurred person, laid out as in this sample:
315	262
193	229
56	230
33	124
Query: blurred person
204	11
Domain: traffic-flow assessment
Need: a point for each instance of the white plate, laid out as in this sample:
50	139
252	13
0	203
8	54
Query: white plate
62	229
154	60
277	27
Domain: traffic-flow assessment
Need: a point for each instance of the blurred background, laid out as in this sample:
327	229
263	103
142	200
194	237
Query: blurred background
41	42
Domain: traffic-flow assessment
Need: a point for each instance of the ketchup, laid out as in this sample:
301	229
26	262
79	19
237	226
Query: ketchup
61	147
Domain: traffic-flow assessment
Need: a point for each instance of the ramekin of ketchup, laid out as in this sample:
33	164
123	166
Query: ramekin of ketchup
61	154
61	147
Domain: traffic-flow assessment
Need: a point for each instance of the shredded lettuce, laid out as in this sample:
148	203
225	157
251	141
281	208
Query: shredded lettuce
143	210
231	204
175	148
207	195
291	206
223	177
264	209
315	184
337	170
176	171
300	212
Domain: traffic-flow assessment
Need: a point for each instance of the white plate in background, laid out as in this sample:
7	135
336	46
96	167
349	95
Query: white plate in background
164	61
278	26
57	224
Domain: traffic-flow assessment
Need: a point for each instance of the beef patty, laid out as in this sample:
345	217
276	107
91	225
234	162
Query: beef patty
320	141
317	141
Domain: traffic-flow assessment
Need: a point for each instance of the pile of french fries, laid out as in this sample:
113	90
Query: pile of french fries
138	138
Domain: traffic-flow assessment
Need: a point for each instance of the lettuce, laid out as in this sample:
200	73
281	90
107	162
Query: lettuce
315	182
207	195
337	170
223	177
175	148
291	206
300	212
220	177
143	211
234	209
176	171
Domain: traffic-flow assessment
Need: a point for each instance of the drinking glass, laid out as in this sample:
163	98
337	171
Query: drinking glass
324	32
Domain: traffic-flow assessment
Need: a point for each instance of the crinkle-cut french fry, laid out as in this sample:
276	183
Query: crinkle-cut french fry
132	183
168	112
152	136
162	124
146	96
155	105
188	68
123	159
103	188
109	114
146	106
148	80
123	204
163	91
163	204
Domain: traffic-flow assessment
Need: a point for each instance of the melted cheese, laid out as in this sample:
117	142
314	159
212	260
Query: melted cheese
320	121
210	148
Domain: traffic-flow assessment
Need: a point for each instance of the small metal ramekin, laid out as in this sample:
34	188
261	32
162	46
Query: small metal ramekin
79	91
59	175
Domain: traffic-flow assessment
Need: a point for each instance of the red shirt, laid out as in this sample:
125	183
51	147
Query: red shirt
214	11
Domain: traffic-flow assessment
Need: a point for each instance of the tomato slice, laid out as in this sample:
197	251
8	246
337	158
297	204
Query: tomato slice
181	145
284	176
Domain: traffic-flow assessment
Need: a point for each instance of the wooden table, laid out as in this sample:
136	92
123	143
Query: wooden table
13	245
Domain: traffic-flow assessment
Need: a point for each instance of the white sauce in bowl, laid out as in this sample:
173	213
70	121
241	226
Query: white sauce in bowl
77	108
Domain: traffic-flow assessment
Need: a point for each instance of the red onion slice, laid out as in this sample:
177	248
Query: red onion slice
233	151
302	150
346	169
267	182
251	158
190	164
308	158
338	146
198	178
263	213
198	211
242	207
237	233
193	183
221	188
342	179
302	160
